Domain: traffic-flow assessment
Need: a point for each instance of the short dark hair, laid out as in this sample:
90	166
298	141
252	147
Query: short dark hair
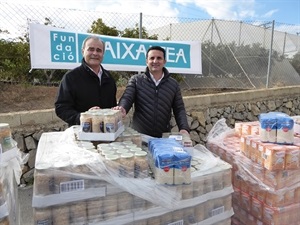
156	48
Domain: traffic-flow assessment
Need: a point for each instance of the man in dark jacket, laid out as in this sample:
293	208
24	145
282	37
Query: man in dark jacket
155	94
88	86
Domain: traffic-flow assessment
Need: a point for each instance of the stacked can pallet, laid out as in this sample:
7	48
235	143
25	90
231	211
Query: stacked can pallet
265	175
73	185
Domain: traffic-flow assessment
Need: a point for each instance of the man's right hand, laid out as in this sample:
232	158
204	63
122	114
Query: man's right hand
123	111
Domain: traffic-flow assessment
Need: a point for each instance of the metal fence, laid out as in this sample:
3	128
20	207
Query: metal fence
235	54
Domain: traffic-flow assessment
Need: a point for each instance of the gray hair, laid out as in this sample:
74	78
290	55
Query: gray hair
94	37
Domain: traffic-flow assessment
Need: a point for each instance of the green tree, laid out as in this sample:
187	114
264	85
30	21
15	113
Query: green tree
99	27
14	60
135	33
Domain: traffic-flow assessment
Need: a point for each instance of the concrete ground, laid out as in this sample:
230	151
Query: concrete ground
25	201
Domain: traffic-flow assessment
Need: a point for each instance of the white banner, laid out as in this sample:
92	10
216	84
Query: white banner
56	48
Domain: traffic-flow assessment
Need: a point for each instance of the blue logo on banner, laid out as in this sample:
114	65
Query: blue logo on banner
63	47
126	52
66	48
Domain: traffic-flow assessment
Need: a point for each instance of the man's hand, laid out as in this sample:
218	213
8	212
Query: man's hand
184	132
123	111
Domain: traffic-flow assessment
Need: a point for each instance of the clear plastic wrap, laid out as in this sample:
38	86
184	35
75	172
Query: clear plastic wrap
262	194
296	124
11	164
92	187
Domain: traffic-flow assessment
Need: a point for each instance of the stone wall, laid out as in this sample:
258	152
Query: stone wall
203	112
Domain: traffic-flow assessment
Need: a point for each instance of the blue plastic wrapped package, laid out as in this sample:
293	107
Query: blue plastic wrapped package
285	132
276	127
164	168
182	167
267	127
172	162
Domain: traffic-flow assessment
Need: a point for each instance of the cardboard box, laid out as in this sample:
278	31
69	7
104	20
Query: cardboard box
90	136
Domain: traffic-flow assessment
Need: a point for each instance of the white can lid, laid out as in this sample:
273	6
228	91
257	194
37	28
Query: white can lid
140	153
126	155
111	157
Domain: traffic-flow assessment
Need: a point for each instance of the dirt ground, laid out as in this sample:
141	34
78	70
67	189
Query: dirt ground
14	98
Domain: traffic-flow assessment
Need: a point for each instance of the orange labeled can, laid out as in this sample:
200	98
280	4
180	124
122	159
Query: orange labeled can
292	156
274	157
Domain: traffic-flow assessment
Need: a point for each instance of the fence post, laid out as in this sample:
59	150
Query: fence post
270	55
283	50
141	30
141	26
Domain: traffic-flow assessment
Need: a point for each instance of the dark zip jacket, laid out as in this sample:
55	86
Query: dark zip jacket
153	104
80	89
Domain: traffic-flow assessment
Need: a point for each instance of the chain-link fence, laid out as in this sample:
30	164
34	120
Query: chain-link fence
235	54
